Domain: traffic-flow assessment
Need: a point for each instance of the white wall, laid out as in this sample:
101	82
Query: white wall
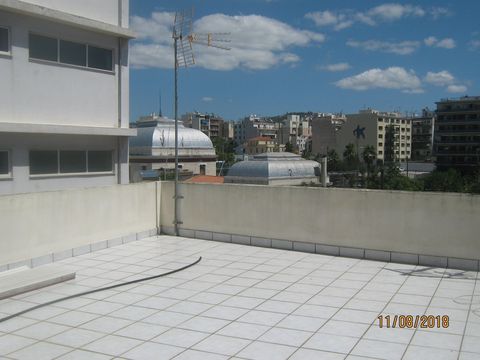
101	10
436	224
36	224
49	93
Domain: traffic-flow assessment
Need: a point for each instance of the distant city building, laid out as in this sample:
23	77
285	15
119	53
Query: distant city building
64	94
253	126
274	169
422	136
262	144
324	132
295	131
389	133
457	133
210	124
228	130
154	148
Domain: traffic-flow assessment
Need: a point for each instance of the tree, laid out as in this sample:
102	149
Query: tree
288	147
225	149
369	154
350	155
333	160
450	181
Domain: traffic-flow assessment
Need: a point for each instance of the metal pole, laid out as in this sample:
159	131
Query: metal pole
176	197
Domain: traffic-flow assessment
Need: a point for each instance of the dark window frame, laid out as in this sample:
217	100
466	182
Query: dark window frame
87	45
7	175
9	41
60	173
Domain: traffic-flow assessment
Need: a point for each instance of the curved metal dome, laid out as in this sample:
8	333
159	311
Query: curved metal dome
156	136
163	136
273	166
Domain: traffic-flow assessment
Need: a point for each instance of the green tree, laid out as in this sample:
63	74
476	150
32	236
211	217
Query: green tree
369	154
333	160
447	181
288	147
225	149
350	156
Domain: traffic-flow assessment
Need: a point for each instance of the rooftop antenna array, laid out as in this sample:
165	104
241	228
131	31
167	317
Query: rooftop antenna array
183	38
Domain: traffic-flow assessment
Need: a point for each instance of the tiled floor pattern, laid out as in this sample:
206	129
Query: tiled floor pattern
242	302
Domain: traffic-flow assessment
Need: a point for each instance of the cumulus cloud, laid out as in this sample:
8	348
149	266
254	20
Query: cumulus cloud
445	78
390	78
447	43
440	78
400	48
257	42
456	88
388	12
342	66
474	45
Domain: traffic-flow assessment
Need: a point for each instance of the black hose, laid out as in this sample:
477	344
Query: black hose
97	290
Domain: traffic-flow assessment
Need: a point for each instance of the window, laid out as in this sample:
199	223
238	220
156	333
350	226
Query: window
70	53
100	161
43	47
380	128
4	40
43	162
380	136
4	163
99	58
52	162
73	162
73	53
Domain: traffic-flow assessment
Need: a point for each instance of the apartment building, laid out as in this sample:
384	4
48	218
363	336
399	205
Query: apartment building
262	144
457	133
387	132
422	136
64	94
254	126
210	124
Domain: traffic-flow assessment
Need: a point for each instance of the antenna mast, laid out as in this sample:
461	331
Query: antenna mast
183	38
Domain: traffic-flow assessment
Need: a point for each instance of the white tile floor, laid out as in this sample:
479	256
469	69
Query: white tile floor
242	302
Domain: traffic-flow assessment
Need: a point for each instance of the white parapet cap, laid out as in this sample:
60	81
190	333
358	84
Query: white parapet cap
29	128
21	7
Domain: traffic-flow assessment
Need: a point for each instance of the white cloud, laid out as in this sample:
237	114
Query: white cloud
447	43
387	12
456	88
328	18
207	99
474	44
400	48
257	42
336	67
390	78
440	78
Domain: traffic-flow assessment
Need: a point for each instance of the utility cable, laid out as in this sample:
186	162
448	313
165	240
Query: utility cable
98	290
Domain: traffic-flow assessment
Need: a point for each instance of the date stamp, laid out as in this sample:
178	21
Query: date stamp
414	321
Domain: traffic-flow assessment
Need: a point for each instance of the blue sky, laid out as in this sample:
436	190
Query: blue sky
306	55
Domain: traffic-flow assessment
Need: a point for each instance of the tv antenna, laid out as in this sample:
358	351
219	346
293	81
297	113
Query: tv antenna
183	38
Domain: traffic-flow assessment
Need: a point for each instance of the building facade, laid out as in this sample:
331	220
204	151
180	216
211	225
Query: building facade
64	94
210	124
254	126
422	136
262	144
387	132
457	133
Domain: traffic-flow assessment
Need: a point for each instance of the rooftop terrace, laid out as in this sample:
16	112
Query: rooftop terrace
242	302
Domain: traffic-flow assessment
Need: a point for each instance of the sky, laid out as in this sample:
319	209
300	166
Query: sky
306	55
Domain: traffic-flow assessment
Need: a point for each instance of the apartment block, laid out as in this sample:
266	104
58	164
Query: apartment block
64	94
387	132
457	133
422	136
210	124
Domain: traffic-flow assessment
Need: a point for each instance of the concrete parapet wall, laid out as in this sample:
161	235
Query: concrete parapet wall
48	224
397	223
